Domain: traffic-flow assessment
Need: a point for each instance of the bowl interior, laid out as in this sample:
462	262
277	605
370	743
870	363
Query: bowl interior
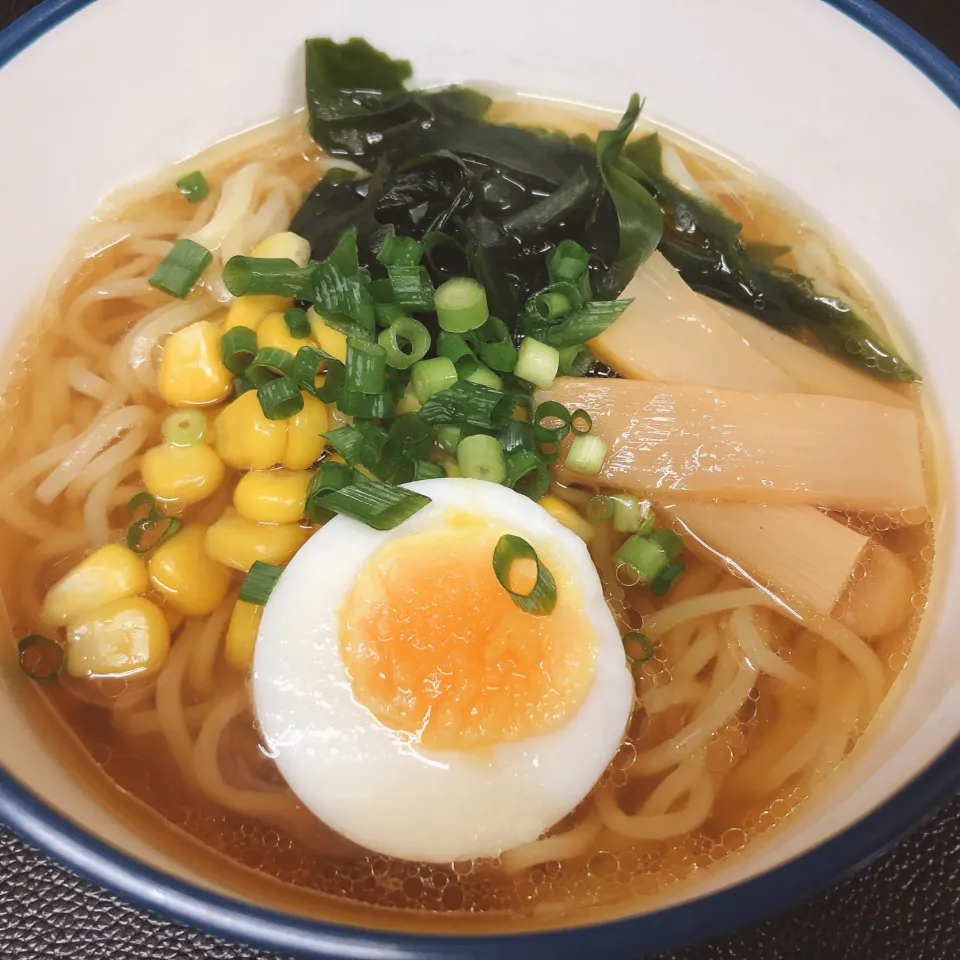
795	89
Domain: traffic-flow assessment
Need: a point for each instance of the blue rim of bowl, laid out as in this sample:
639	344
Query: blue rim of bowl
665	929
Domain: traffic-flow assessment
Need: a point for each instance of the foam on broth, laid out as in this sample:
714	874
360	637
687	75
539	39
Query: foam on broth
146	782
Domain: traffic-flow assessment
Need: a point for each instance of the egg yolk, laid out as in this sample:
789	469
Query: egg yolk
435	647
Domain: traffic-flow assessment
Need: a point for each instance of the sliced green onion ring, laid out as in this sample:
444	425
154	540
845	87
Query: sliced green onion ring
238	347
280	398
185	428
542	597
297	323
547	411
259	582
143	499
642	646
405	330
147	534
495	345
381	506
600	508
41	658
270	363
461	305
181	268
580	421
194	187
366	367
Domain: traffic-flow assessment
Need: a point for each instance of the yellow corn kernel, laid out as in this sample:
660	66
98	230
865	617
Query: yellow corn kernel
304	443
272	496
238	542
118	639
173	616
562	511
191	373
249	311
274	332
284	246
245	438
330	340
110	573
189	474
242	635
182	571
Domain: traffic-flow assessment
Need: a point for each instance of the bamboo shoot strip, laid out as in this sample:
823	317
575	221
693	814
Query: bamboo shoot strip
668	440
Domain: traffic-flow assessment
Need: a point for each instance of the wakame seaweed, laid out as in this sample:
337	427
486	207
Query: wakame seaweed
497	198
705	247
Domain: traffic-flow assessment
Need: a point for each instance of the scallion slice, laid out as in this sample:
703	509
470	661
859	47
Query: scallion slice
41	658
517	435
586	455
448	437
185	428
461	305
238	347
366	367
365	406
259	582
480	457
400	252
328	477
269	364
194	187
346	441
580	421
405	341
567	261
665	580
248	276
585	324
600	508
280	398
575	361
431	377
412	434
485	377
412	287
646	558
542	597
631	515
495	345
181	268
146	534
378	505
638	647
297	323
308	363
537	363
388	313
454	347
466	402
546	413
671	543
427	470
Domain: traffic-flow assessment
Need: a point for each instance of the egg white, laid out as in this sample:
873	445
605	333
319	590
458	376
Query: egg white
371	783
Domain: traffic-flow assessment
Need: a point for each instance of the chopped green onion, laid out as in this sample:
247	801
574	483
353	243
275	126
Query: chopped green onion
366	367
378	505
350	327
533	484
585	324
461	305
646	558
269	364
518	464
537	363
41	658
259	582
150	532
374	453
547	411
467	402
185	428
480	457
486	377
568	261
600	508
194	187
280	398
408	402
638	647
249	276
346	441
495	346
411	287
307	364
297	323
181	268
427	470
400	252
345	257
388	313
575	361
144	499
328	477
671	543
238	347
381	291
454	347
517	435
586	455
365	406
631	515
666	579
241	385
412	433
433	376
405	330
448	436
550	304
542	597
581	421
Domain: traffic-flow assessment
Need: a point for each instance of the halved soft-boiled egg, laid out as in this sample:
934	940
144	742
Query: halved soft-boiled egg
413	706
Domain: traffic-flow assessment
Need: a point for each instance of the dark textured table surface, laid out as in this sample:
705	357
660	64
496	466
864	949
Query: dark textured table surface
906	906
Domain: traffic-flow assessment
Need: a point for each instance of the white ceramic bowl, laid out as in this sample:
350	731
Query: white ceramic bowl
824	99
